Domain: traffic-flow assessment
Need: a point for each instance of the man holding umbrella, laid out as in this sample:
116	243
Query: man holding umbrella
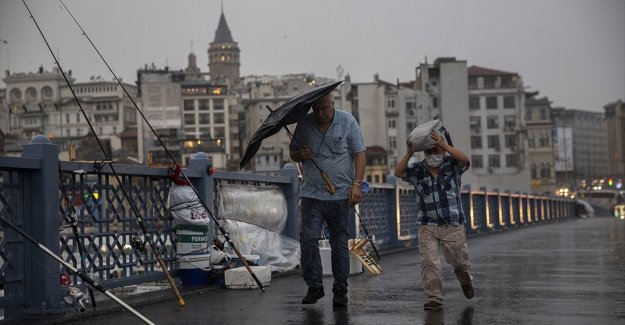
332	139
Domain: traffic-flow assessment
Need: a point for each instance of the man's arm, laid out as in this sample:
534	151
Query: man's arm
402	166
355	194
458	155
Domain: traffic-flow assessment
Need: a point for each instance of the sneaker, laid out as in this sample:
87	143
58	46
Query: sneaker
313	294
340	297
467	289
432	305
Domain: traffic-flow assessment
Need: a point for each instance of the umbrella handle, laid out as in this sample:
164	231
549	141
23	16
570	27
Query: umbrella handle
328	183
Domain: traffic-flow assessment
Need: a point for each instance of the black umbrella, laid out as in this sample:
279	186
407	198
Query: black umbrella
289	113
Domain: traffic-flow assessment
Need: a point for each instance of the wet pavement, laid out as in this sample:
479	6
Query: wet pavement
570	272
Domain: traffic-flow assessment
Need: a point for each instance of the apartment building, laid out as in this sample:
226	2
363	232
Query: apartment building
41	102
582	140
540	144
615	125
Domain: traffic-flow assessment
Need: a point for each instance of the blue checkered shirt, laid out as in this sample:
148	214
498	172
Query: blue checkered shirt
438	197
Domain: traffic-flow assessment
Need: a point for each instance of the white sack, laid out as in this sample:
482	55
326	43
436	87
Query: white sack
420	136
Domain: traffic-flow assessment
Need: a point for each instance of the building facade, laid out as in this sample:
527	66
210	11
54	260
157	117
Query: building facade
42	103
540	144
615	125
588	145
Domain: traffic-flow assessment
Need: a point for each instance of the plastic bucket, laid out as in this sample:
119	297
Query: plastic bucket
193	269
191	239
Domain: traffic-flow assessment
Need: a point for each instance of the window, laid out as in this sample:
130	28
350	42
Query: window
204	118
47	92
492	122
512	160
509	102
220	132
510	141
472	82
475	122
533	171
218	118
489	82
203	105
189	105
66	118
476	142
391	124
435	102
392	142
543	139
16	95
477	162
390	103
189	119
545	170
493	141
218	104
77	117
509	122
474	102
543	113
508	82
491	102
31	94
493	161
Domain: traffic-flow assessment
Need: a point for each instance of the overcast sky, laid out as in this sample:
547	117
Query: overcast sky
572	51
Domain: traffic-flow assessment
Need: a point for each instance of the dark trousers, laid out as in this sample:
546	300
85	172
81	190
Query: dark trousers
335	214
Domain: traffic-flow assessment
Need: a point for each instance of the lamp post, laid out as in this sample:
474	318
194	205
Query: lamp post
3	41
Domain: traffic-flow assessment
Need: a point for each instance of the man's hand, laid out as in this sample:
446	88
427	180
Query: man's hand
303	153
355	195
438	139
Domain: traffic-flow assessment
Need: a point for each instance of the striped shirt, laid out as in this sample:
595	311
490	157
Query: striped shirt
438	197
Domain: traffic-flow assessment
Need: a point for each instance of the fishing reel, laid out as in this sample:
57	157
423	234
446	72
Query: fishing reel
138	242
75	295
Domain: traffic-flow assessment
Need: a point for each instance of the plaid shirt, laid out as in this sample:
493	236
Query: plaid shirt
438	197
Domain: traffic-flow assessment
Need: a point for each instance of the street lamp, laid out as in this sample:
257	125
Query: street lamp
3	41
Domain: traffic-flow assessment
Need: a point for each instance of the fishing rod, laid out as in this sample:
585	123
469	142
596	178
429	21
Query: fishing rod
375	250
173	159
114	172
81	274
72	220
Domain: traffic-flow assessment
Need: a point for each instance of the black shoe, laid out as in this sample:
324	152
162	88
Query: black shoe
313	294
432	305
340	297
467	289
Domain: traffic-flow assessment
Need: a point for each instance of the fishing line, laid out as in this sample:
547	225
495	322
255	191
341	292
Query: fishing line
113	171
221	229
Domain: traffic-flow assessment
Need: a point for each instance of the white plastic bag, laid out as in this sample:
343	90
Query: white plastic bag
420	136
185	206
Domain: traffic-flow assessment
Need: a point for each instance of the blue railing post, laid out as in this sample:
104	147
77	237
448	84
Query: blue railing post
41	221
392	200
204	185
291	193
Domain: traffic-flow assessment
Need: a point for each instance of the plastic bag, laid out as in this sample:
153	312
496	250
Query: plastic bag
279	252
185	206
420	136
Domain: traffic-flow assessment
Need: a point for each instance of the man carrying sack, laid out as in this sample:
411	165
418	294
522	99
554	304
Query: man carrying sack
441	220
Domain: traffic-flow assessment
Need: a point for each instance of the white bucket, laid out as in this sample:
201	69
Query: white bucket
194	269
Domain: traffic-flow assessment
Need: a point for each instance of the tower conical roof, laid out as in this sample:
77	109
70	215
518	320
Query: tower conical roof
222	34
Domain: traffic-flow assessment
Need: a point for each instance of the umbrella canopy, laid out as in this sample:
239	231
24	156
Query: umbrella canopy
288	113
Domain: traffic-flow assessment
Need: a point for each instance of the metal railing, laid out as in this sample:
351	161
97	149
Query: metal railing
32	196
